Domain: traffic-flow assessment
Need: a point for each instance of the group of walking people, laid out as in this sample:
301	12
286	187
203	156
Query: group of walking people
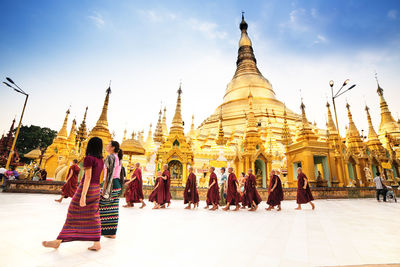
94	212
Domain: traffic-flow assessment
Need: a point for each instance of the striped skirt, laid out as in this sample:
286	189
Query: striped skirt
109	211
83	223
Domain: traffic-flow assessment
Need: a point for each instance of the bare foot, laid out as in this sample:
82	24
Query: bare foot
143	205
96	247
206	207
58	200
163	206
236	209
252	209
243	207
168	204
51	244
156	207
187	208
312	205
279	209
214	208
127	206
269	208
298	208
226	209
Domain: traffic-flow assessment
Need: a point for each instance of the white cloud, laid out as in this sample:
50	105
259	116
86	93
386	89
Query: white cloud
209	29
320	39
97	19
157	16
392	14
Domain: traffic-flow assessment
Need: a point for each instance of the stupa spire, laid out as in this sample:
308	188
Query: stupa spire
286	135
353	131
102	121
246	62
149	134
63	131
251	120
82	130
177	122
72	133
158	134
330	124
305	131
221	136
124	138
372	136
388	124
164	122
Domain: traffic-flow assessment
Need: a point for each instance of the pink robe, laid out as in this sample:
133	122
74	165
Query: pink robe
232	195
134	193
213	192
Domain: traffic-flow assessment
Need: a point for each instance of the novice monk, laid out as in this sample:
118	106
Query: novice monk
251	194
71	184
157	195
303	190
190	194
167	184
275	192
134	192
213	191
233	191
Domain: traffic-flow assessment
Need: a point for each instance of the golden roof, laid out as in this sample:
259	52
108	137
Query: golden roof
133	147
33	154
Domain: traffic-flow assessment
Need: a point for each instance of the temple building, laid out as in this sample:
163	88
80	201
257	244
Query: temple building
251	128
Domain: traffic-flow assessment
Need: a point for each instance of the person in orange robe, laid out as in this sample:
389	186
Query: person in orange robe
190	195
213	191
233	191
134	192
167	185
251	194
71	184
304	194
275	192
157	195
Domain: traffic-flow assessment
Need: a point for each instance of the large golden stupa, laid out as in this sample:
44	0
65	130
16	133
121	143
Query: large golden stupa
250	129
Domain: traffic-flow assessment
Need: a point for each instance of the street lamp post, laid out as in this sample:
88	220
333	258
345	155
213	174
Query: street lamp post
11	84
334	96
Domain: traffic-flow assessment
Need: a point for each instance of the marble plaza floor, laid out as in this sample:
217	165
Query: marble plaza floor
338	232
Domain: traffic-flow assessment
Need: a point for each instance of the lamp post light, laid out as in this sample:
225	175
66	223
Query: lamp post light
334	96
16	88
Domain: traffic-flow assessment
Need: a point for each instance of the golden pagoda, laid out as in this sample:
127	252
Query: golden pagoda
82	131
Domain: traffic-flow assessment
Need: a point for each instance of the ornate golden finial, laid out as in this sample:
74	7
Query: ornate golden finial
177	122
82	130
221	140
330	124
124	138
158	133
286	135
63	131
353	131
372	136
102	121
72	133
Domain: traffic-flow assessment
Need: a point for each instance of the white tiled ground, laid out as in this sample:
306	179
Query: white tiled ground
338	232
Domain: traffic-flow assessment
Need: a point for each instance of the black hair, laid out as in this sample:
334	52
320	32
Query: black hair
117	150
378	174
223	168
95	147
243	174
75	161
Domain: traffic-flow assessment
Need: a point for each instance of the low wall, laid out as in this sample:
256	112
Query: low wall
54	187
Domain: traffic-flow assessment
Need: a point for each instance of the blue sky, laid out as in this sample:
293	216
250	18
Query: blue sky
65	52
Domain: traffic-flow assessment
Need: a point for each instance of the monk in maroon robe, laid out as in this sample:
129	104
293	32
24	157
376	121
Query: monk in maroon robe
134	192
303	190
157	195
252	198
233	191
190	195
213	191
275	192
71	184
167	185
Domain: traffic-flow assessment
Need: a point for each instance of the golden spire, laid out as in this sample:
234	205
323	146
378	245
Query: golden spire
72	133
388	124
372	136
192	131
149	134
63	131
124	138
177	122
82	131
305	131
286	135
246	62
330	124
164	122
158	134
353	131
221	140
251	120
102	122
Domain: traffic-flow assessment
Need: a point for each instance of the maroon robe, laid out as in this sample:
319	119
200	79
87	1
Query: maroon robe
232	195
69	188
190	194
251	193
275	197
167	185
213	192
157	194
134	193
303	195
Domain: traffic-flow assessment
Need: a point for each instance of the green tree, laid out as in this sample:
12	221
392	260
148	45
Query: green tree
32	137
